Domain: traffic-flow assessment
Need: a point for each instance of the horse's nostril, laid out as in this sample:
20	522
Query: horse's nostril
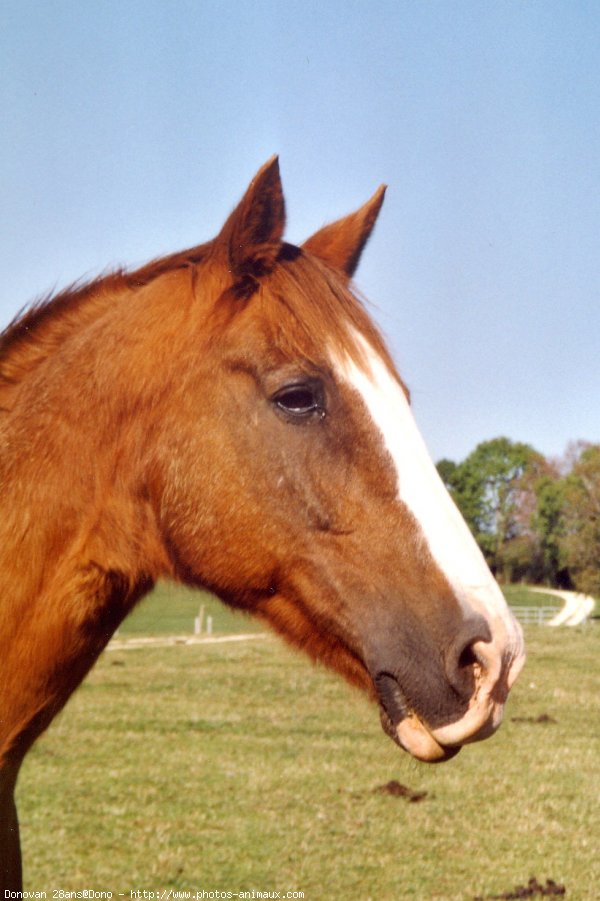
467	658
463	661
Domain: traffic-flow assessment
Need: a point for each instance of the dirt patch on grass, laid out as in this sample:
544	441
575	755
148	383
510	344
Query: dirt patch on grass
397	790
533	889
542	719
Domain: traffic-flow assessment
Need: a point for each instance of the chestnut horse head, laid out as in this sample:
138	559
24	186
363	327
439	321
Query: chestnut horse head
230	417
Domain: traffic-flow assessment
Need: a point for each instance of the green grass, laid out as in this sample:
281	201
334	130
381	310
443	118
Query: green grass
171	609
241	766
522	596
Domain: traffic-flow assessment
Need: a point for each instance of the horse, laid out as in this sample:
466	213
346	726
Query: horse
229	417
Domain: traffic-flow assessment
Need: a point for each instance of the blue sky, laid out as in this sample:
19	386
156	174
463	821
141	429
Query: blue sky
130	129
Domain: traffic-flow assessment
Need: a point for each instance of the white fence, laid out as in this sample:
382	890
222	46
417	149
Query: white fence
577	608
535	616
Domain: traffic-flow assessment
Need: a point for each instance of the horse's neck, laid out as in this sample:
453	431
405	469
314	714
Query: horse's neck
79	539
64	504
49	640
72	445
75	555
53	648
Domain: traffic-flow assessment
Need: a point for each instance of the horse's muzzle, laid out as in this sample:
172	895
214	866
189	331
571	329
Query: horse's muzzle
493	678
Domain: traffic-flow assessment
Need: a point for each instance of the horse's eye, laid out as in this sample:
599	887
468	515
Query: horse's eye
300	401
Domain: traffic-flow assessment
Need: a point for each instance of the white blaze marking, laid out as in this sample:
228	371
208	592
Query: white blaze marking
420	487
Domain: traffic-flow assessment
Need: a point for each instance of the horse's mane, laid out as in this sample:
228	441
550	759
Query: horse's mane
296	321
43	325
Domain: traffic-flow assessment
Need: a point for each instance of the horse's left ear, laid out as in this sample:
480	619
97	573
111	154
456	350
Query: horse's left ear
254	230
341	243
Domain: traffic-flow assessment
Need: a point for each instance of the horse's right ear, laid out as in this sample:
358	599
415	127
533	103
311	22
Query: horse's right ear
254	230
341	243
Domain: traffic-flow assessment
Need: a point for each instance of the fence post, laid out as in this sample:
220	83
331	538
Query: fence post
198	621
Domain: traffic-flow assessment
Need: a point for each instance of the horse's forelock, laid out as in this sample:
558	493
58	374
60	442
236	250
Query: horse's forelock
307	310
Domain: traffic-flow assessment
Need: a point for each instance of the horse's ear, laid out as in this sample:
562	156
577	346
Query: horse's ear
253	231
341	243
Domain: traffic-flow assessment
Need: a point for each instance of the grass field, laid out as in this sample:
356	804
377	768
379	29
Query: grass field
171	609
521	596
241	767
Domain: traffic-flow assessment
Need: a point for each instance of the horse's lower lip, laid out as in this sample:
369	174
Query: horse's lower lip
415	737
406	728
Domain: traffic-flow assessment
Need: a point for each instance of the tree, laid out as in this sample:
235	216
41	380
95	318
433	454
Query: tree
493	488
447	469
548	525
580	541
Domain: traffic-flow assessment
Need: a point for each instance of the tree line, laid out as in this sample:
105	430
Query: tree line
535	519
